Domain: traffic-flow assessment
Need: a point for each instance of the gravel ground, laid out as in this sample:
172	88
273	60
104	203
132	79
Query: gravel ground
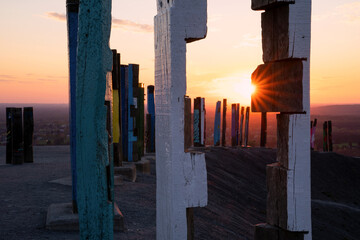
236	189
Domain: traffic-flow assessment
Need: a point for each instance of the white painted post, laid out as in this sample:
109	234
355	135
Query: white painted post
286	31
181	177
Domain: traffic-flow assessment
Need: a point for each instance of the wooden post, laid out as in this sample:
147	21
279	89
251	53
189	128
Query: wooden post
28	134
151	111
9	135
263	129
237	123
140	121
17	139
180	176
312	136
223	135
198	122
116	108
233	124
241	126
247	119
330	136
72	7
217	124
124	69
94	61
132	108
120	148
187	123
325	137
203	122
190	223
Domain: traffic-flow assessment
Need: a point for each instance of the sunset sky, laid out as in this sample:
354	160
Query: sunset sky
34	63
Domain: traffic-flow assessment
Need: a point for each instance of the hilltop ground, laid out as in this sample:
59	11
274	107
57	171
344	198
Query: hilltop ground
237	196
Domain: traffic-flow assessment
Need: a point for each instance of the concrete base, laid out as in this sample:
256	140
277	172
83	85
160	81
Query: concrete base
143	166
265	231
67	181
61	218
128	170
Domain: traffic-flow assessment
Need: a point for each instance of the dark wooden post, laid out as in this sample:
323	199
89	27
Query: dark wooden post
121	155
199	122
140	121
9	135
133	79
116	108
233	124
187	123
263	129
190	223
124	69
237	123
223	136
28	134
312	131
325	137
217	124
151	111
330	136
247	119
18	142
241	126
72	7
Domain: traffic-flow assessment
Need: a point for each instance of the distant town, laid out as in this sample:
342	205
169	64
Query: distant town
52	126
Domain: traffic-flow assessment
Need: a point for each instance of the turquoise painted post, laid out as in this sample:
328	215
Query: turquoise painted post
72	7
94	61
133	79
217	124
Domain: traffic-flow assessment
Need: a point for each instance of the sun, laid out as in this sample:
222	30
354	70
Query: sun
252	89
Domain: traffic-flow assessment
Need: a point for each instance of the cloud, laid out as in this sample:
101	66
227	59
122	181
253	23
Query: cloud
116	23
249	40
56	16
132	26
350	11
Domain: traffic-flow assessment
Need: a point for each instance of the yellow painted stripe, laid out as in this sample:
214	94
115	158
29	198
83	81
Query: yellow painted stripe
116	128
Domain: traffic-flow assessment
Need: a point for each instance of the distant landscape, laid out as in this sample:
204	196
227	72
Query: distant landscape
52	126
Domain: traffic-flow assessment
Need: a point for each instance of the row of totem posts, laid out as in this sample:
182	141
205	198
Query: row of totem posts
19	135
199	124
128	113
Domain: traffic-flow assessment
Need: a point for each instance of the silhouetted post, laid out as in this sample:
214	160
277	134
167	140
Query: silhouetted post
237	123
312	136
187	123
151	111
325	137
17	139
116	109
217	124
247	119
28	134
121	155
223	136
263	129
72	7
124	69
233	124
140	121
241	126
203	122
132	108
199	122
9	135
330	136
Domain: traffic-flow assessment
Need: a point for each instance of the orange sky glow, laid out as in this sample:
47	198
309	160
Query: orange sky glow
34	63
